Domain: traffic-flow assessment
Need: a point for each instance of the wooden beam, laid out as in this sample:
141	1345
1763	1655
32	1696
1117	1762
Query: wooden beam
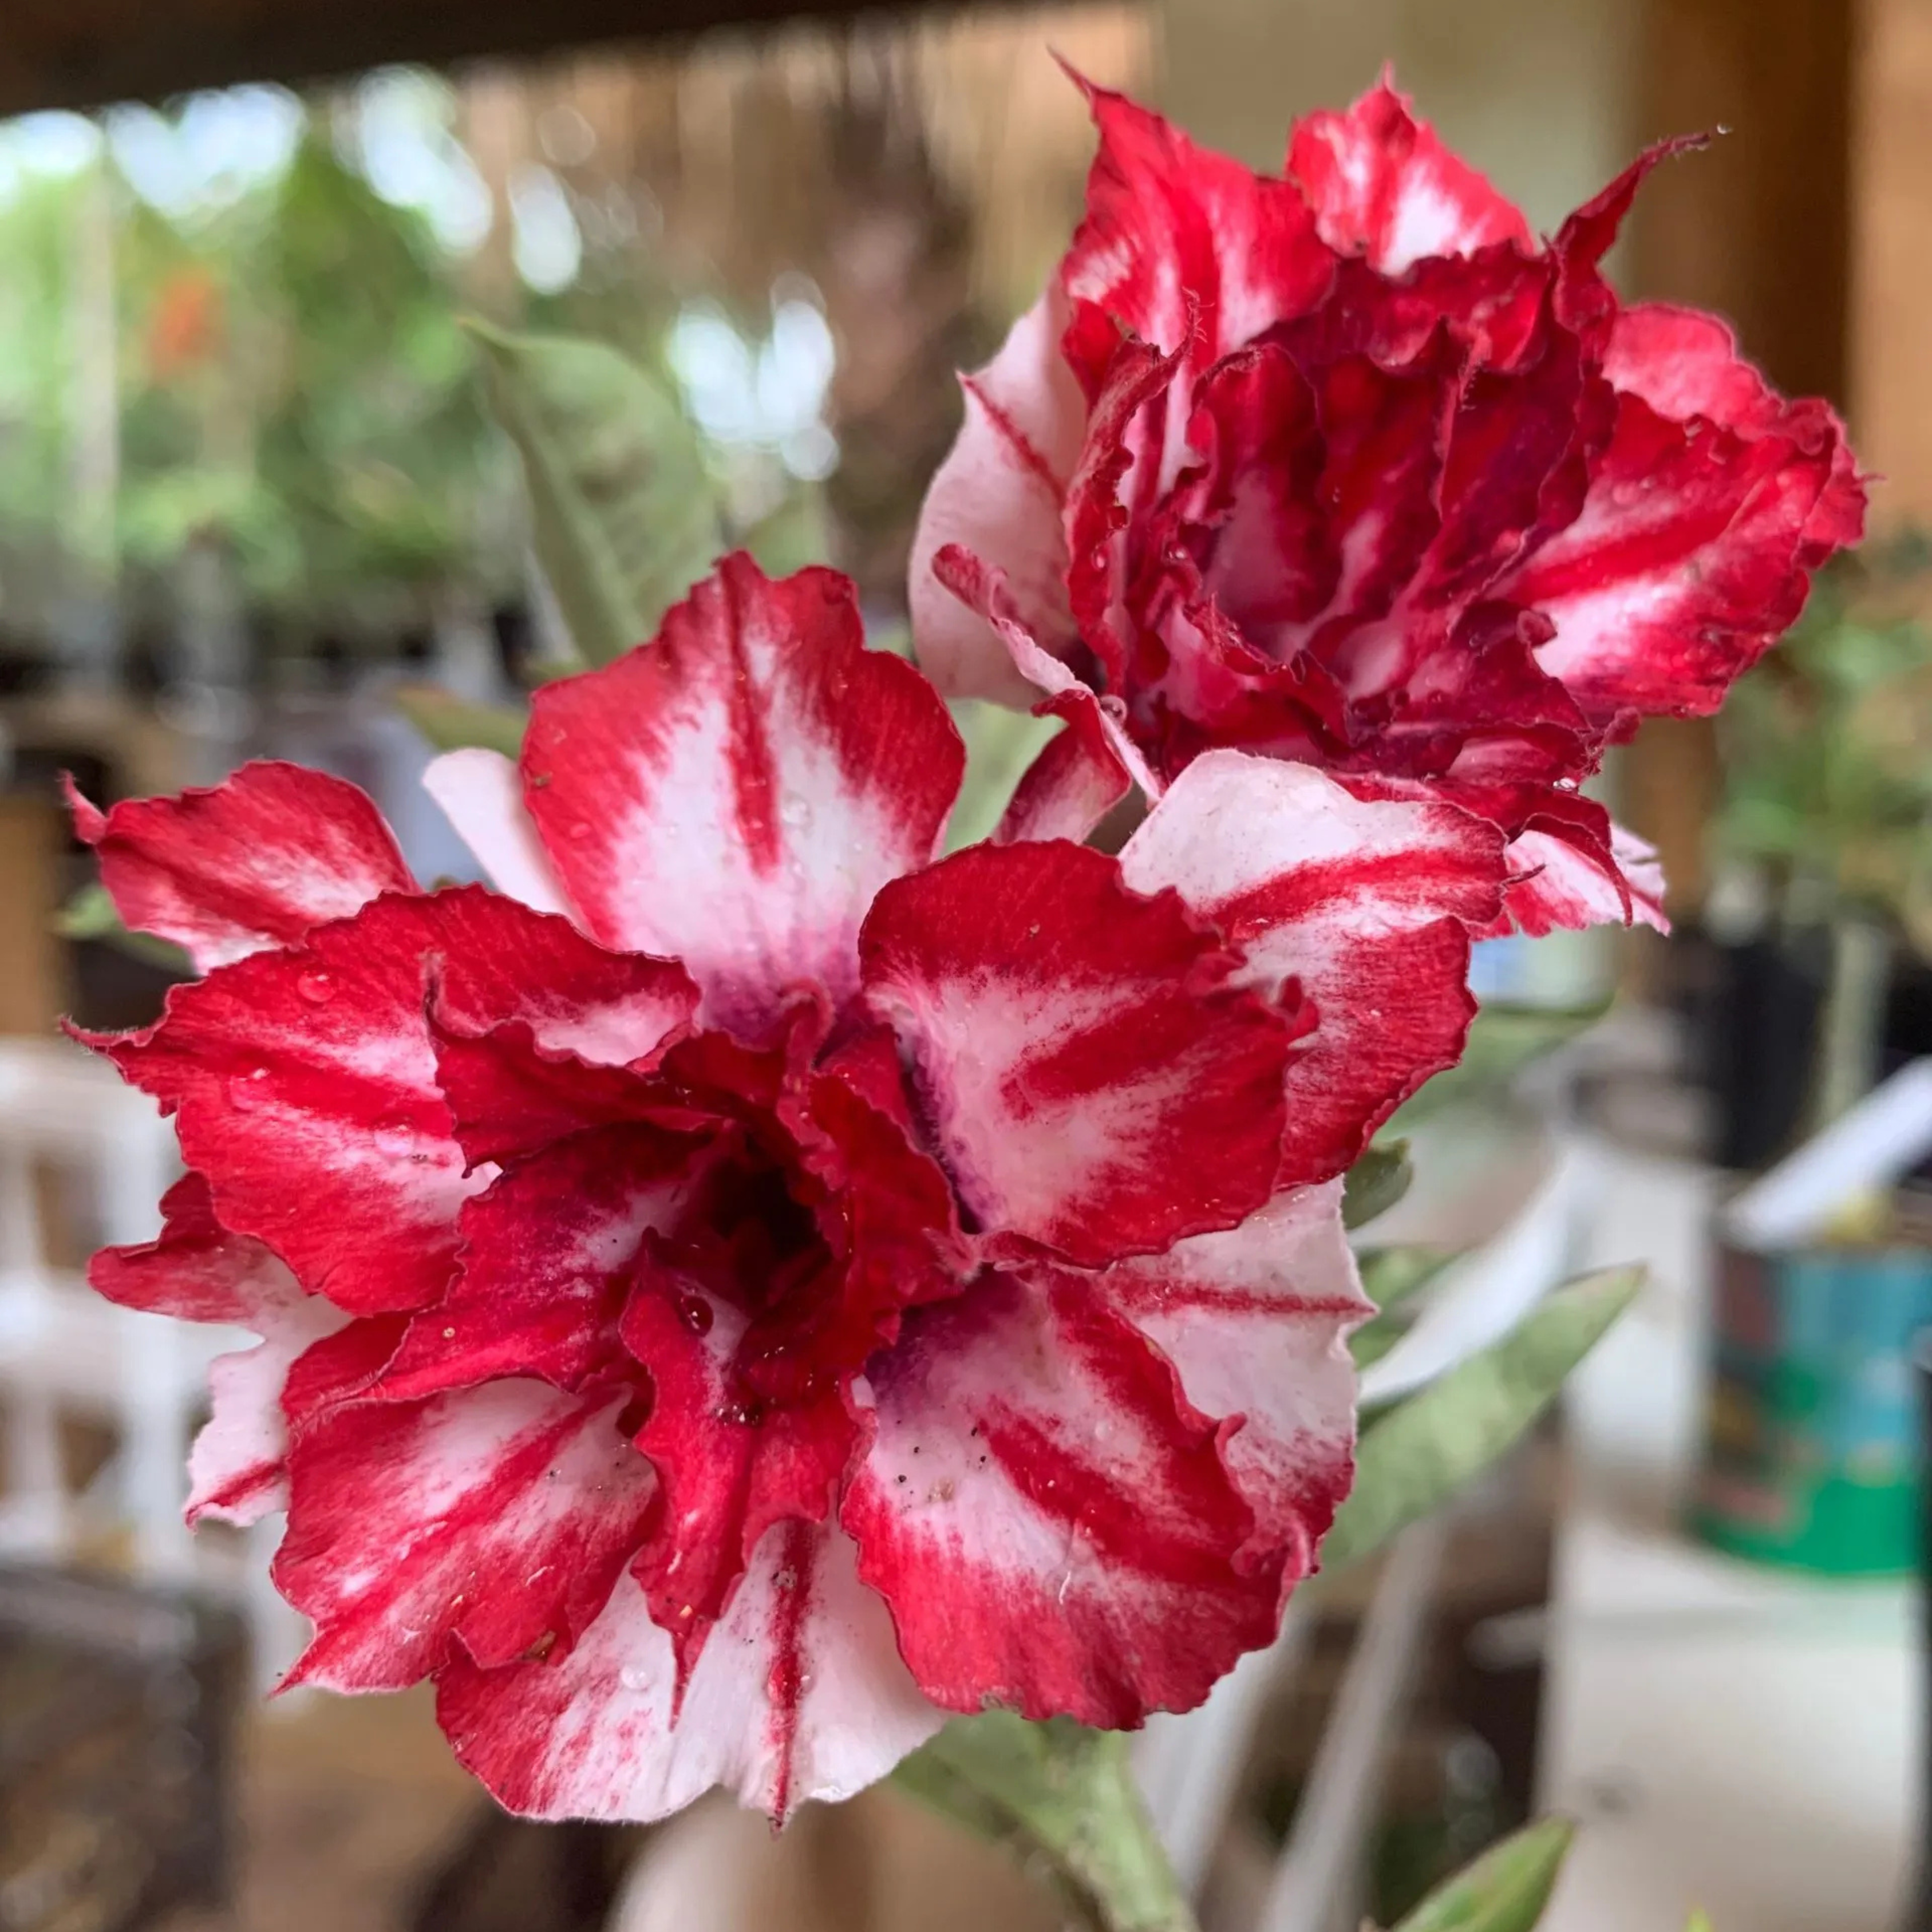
86	53
1892	282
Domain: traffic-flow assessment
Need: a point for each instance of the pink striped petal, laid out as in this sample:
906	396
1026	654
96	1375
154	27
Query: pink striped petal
305	1087
499	1518
1255	1321
734	792
1054	1528
482	795
1089	1080
998	494
252	863
1383	185
1357	912
800	1695
196	1271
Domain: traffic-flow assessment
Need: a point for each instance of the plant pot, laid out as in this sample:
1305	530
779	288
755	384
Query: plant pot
1812	1453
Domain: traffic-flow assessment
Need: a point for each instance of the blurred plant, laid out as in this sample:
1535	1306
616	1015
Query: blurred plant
1827	786
1827	791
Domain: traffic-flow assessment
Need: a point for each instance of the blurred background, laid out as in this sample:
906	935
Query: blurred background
252	497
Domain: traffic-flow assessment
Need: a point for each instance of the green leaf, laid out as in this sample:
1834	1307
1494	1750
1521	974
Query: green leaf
90	914
1393	1275
1001	744
1417	1454
1503	1040
625	517
450	724
1505	1890
1061	1796
1376	1183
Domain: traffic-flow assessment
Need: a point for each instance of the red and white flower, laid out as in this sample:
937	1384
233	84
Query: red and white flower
1341	467
747	1288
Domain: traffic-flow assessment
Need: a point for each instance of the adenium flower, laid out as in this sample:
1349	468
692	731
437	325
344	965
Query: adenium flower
746	1287
1341	466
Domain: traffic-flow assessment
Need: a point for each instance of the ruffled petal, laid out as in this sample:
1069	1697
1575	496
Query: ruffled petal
735	792
550	1249
498	1517
1093	764
482	795
800	1695
730	1466
999	494
1563	885
1356	913
1690	558
305	1087
1383	185
253	861
1684	364
195	1271
1054	1527
1087	1076
1187	249
1255	1320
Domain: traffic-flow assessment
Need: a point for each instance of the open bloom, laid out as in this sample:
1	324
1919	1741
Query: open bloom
1341	467
744	1289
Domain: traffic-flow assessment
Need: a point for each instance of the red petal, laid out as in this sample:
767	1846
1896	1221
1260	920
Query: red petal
1093	764
1362	907
1569	883
1254	1320
1383	185
1689	559
549	1252
1089	1079
253	861
500	1516
800	1695
999	493
730	1468
1683	364
1053	1527
1187	249
196	1271
305	1086
734	792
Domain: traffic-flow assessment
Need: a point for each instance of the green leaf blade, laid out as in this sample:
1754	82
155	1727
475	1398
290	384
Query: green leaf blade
1503	1040
1059	1794
1507	1889
1376	1182
626	515
455	724
1417	1456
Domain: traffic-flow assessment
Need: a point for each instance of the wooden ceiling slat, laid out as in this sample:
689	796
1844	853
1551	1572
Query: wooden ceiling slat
86	53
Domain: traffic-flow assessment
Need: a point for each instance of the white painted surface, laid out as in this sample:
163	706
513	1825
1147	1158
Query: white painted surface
1734	1738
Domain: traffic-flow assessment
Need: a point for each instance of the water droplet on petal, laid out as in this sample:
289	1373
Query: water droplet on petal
796	813
316	987
695	1312
633	1677
245	1091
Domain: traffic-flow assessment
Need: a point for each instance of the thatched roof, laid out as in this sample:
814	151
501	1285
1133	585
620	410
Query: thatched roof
84	53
